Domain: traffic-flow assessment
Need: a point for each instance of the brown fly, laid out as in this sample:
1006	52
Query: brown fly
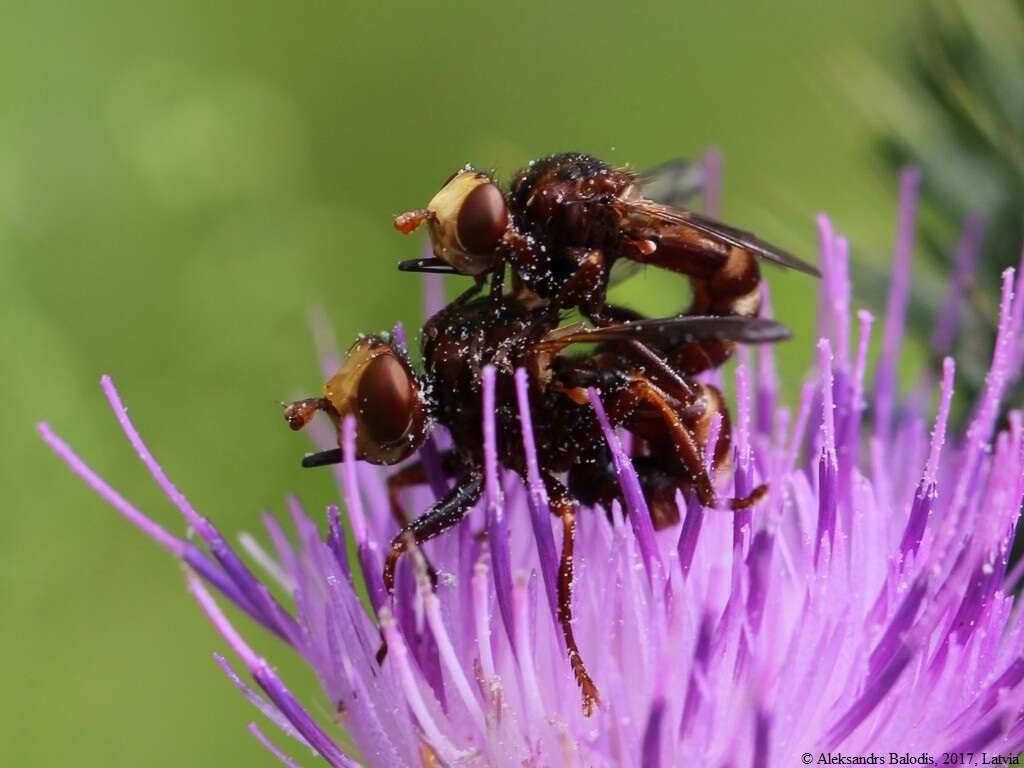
568	219
393	408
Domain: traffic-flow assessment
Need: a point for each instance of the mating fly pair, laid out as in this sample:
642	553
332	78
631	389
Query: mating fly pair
566	221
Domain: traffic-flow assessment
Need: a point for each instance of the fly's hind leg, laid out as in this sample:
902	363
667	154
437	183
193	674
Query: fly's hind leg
564	507
681	434
652	360
698	418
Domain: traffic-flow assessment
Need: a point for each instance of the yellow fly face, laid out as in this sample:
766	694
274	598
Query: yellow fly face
468	218
376	385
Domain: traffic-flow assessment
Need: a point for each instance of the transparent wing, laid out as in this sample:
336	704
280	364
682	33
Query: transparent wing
640	211
674	183
622	270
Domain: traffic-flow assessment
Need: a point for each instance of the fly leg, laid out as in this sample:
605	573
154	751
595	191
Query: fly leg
323	458
641	392
564	507
464	297
411	476
498	278
435	521
530	265
586	287
654	361
407	477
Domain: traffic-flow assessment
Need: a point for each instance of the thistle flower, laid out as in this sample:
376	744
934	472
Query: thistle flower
865	606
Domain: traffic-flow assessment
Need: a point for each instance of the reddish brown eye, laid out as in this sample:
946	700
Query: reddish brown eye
483	219
386	398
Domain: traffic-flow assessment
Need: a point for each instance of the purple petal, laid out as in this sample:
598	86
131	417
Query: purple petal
896	309
497	522
269	746
639	515
270	683
540	514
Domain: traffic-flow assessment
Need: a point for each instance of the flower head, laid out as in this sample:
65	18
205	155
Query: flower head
865	605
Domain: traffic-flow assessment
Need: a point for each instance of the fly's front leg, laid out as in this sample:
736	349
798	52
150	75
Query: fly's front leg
469	293
409	477
498	278
435	521
587	286
531	264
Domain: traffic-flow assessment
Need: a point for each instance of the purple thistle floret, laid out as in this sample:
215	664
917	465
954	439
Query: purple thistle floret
864	605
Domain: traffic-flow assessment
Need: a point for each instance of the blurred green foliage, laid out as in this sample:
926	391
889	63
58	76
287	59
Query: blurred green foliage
181	182
957	111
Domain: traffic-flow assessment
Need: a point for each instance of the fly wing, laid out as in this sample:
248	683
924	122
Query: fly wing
674	183
673	331
641	211
622	270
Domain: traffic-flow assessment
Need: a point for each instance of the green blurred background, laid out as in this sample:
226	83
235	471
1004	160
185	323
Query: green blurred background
180	183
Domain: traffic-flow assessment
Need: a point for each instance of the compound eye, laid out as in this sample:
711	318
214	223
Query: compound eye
483	219
386	397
